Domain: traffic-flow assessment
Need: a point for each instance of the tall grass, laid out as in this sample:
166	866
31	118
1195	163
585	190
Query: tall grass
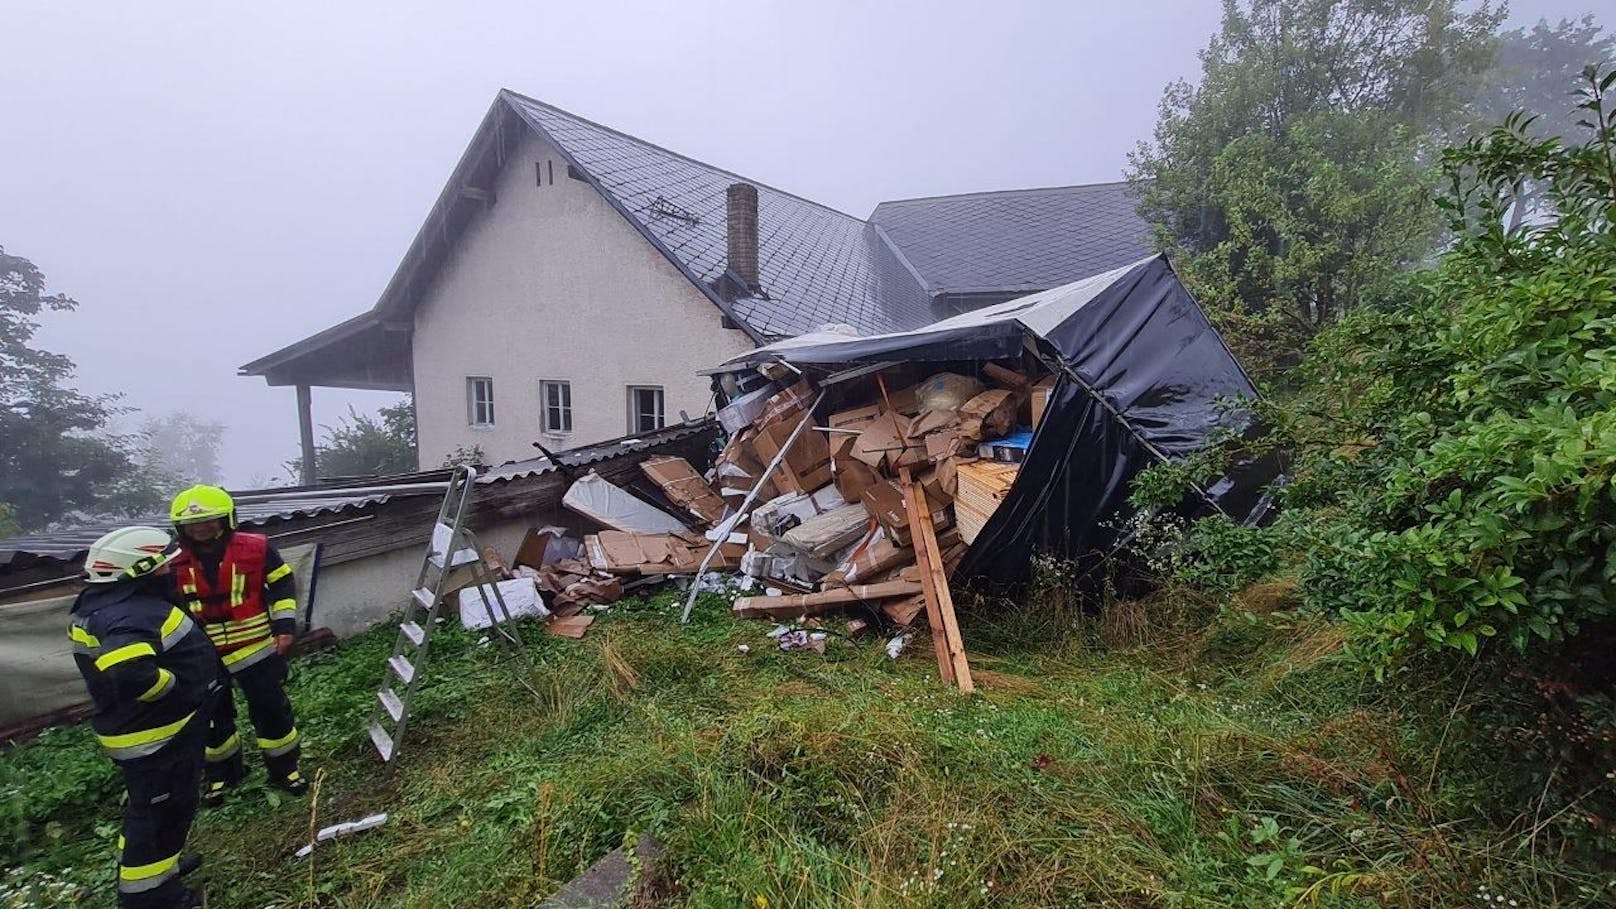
1179	764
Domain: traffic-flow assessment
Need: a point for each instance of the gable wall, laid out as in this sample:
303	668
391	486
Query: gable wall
552	283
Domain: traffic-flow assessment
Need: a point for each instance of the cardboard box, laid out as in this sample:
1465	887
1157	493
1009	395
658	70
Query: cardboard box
807	464
886	434
851	475
685	488
656	553
790	401
856	417
884	502
1041	393
878	556
989	415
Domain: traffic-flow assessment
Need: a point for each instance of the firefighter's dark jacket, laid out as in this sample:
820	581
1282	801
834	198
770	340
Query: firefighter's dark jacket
148	667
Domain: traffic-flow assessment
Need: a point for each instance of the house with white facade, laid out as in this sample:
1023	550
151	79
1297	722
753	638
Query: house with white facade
571	281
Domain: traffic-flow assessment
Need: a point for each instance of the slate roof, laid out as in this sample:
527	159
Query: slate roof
816	265
1017	241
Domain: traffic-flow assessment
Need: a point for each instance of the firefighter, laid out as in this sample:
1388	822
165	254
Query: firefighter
242	593
153	678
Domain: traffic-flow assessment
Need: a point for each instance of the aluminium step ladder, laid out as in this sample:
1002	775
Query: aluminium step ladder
452	546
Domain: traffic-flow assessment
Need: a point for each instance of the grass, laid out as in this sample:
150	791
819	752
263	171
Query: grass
1245	765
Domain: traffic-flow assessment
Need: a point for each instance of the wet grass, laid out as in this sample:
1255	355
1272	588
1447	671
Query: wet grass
1242	765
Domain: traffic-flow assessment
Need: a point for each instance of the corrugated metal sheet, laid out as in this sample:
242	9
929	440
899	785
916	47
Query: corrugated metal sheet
260	506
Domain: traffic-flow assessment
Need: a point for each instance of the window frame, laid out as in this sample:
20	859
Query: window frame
634	413
564	407
473	404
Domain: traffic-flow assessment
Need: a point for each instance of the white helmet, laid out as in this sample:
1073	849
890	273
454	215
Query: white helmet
128	552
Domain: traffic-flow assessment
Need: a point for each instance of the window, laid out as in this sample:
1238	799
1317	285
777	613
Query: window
480	400
644	408
557	406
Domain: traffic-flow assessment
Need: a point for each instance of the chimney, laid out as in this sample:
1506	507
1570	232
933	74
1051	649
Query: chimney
741	205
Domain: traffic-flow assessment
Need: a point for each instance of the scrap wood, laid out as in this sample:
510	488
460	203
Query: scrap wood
572	626
951	662
1006	378
903	613
821	602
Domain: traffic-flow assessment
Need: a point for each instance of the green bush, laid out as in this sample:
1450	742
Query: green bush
1454	453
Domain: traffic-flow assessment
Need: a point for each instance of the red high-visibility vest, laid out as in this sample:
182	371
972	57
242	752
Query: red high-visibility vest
230	608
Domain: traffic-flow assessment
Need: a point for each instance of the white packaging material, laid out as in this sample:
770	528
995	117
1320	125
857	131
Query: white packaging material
521	597
342	829
827	499
739	413
597	499
442	535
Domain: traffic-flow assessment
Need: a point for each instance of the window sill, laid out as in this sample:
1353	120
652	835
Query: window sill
480	427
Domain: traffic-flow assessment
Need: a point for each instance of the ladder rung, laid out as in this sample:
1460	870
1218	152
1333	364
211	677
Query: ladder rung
382	741
402	668
423	596
395	707
413	632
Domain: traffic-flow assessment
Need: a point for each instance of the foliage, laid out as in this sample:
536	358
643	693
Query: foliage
1532	71
1290	184
56	454
1455	455
1174	773
361	445
184	446
463	455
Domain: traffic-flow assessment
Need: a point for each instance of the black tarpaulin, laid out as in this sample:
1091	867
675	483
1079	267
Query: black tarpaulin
1142	376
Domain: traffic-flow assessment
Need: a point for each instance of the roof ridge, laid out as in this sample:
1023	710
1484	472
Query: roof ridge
683	157
1002	192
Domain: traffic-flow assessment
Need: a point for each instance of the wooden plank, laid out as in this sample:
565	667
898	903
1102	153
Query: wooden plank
934	617
792	606
940	600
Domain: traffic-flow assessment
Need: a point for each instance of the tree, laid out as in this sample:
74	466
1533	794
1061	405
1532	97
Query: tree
184	446
361	445
1533	68
1290	184
55	453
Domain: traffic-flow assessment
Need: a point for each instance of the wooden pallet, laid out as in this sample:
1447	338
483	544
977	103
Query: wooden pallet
983	486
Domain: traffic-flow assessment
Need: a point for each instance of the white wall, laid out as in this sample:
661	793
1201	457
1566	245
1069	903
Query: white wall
552	283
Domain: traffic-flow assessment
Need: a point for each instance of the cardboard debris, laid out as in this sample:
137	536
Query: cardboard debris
831	530
1041	393
884	502
572	626
806	466
852	476
685	488
618	552
989	415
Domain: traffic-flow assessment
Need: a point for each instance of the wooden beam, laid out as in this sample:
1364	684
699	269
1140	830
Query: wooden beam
945	633
789	607
305	432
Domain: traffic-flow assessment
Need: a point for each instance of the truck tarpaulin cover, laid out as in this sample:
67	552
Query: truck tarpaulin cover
1136	339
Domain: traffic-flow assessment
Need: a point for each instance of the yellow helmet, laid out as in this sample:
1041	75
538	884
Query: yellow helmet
203	503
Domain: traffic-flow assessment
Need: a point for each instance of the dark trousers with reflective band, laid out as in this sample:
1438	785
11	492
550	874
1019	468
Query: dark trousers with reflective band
264	685
162	797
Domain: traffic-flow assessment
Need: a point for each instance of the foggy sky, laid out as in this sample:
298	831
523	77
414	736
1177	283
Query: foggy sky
213	181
